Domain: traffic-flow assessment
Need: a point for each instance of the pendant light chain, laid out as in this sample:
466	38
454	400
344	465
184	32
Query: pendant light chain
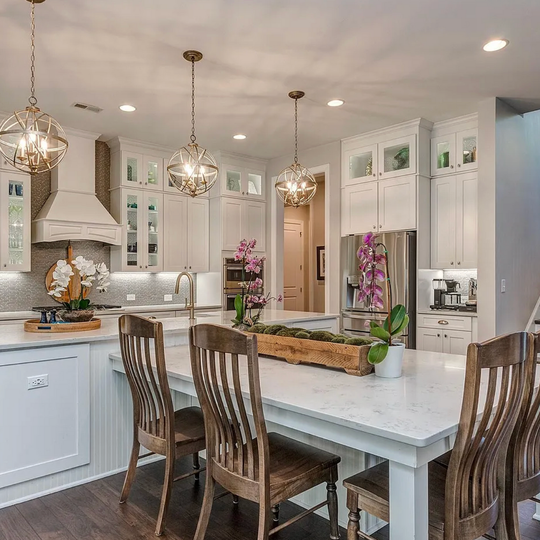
296	130
32	99
193	138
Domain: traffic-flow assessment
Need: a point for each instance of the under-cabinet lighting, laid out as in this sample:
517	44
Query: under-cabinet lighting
495	45
128	108
335	103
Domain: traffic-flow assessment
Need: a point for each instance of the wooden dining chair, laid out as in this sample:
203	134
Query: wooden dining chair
242	457
466	496
156	425
523	461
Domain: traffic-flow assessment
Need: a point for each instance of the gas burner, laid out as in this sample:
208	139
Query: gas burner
59	307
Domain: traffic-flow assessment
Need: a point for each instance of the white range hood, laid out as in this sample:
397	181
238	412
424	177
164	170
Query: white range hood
72	211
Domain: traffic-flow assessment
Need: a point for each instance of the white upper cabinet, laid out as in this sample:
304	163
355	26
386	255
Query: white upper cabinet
454	221
187	236
359	210
255	223
360	165
454	146
152	172
397	204
397	157
242	220
244	182
15	208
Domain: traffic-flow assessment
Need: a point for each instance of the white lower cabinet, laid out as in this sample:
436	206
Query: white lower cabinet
385	205
442	333
187	234
241	219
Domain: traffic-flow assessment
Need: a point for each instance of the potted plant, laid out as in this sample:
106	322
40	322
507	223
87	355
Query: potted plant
387	353
78	308
249	304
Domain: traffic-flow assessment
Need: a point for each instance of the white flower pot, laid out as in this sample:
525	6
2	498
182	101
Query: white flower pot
392	365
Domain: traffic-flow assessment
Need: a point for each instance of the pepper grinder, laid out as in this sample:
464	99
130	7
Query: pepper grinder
52	316
43	319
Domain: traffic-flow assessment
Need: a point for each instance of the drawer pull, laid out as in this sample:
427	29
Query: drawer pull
443	322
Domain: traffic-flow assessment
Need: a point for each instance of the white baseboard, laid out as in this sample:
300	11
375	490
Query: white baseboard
145	461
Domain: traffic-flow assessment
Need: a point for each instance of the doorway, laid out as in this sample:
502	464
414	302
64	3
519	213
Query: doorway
304	254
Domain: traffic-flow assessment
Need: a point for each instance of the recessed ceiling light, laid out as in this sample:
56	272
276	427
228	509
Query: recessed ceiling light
495	45
239	137
335	103
128	108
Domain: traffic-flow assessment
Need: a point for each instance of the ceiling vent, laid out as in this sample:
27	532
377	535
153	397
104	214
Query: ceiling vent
86	107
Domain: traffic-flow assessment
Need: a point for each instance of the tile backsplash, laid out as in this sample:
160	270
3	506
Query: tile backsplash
19	291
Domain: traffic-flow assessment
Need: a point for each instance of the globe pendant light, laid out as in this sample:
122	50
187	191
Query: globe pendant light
295	185
31	140
192	169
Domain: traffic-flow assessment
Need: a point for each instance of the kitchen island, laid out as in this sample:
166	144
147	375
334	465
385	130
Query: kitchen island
71	413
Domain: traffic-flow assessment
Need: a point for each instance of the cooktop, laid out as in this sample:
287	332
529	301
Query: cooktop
59	306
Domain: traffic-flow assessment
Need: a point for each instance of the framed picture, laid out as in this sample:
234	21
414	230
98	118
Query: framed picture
321	263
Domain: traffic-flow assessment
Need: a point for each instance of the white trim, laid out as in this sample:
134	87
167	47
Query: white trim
303	281
145	461
417	122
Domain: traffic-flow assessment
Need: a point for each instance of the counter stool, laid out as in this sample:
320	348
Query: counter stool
262	467
465	501
156	425
523	469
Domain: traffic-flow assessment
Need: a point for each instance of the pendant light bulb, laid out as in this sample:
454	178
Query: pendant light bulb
192	169
31	140
295	185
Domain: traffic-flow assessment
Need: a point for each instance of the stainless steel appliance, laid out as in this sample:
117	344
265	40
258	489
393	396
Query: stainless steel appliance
402	268
232	277
439	288
473	291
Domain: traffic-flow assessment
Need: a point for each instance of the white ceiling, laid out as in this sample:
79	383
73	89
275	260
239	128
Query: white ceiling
390	60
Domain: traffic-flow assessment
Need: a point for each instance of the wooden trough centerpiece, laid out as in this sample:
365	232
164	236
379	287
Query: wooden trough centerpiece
351	358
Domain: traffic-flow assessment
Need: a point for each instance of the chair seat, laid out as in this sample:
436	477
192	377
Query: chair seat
372	488
188	425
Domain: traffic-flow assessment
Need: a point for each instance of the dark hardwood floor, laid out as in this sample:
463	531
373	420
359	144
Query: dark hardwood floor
92	512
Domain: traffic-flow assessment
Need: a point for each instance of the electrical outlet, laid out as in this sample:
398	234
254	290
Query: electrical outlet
130	297
503	285
38	381
167	297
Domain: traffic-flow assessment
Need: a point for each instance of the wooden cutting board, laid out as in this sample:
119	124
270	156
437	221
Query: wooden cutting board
74	287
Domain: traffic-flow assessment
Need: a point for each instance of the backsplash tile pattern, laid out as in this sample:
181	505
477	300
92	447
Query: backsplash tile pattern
21	291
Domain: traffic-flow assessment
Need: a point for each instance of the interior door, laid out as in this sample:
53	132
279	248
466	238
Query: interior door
293	270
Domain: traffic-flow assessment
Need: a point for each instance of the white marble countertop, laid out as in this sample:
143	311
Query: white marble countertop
417	409
13	336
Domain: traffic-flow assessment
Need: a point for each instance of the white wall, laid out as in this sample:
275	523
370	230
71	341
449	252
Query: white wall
509	217
328	154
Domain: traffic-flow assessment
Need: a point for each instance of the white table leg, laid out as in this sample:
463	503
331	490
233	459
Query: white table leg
408	502
537	513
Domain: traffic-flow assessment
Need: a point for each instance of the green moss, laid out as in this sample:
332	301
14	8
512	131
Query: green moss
321	335
286	332
358	341
339	339
302	335
273	329
258	328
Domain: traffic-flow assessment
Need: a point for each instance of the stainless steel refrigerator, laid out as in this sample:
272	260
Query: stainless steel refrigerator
402	268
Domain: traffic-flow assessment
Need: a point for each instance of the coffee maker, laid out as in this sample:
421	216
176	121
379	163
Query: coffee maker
439	288
452	298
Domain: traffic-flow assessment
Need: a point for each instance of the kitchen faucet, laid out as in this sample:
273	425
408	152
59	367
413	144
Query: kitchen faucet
191	305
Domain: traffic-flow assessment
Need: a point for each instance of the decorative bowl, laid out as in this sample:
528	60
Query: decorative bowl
76	315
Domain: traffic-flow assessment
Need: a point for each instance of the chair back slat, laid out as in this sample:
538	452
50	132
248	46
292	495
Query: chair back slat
141	342
527	437
225	368
477	462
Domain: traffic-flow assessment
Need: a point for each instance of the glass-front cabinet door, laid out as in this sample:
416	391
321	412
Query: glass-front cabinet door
15	246
397	157
154	232
360	165
132	167
133	252
254	183
153	172
231	178
443	154
467	153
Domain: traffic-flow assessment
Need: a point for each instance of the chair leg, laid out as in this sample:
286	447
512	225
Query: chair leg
206	509
354	516
235	499
333	505
275	513
132	469
166	492
196	464
264	522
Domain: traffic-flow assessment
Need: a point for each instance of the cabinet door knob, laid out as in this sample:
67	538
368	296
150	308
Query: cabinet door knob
380	174
146	183
190	267
459	164
140	182
5	265
374	226
380	226
452	263
374	176
445	336
459	263
146	266
438	335
140	266
451	166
